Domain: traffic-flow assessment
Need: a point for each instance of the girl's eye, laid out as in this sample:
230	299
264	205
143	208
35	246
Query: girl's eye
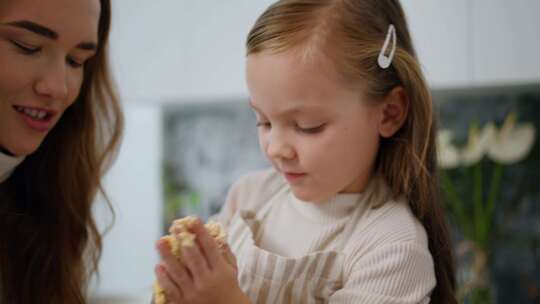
73	63
263	124
28	50
312	130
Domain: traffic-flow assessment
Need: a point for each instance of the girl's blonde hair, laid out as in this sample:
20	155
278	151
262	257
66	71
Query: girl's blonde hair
351	33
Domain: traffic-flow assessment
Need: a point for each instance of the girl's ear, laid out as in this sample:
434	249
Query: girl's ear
394	111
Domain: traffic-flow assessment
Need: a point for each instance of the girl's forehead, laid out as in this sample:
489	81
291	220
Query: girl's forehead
286	79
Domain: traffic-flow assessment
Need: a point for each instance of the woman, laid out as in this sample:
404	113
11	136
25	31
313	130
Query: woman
60	124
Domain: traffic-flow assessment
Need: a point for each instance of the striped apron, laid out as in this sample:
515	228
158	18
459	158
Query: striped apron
266	277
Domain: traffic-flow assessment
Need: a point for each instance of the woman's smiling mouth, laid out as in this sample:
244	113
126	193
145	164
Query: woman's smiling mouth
38	119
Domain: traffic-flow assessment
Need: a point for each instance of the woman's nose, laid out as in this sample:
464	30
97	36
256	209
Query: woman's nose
53	82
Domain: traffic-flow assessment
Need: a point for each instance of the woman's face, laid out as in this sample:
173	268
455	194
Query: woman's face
43	47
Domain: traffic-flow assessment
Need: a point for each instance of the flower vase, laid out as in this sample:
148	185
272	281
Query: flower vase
476	282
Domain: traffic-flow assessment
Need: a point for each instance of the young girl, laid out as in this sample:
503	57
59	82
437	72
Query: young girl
60	124
350	211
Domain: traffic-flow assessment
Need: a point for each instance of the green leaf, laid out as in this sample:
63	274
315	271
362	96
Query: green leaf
492	198
478	202
456	205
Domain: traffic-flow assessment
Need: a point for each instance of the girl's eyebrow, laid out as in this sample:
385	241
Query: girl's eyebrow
291	110
48	33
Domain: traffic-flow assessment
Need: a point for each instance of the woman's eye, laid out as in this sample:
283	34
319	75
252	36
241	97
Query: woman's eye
73	63
28	50
311	130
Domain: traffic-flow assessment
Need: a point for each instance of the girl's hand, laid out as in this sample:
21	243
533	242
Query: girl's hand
205	275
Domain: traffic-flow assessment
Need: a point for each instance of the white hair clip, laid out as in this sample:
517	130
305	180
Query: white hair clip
383	60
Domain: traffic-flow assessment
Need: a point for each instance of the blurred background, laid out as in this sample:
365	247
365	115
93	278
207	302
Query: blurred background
179	67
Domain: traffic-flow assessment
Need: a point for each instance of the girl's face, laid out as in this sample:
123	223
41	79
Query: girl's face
314	129
43	47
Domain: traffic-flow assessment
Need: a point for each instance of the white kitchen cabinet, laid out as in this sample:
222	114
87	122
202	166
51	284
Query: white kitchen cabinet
181	51
147	45
215	49
506	41
440	33
184	51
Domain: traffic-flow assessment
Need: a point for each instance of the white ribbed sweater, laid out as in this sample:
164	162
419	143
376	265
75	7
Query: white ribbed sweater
384	258
7	165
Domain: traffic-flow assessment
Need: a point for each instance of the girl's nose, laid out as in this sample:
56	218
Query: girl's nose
279	147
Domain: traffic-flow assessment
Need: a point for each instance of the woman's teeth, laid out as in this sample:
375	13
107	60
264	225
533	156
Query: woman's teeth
35	114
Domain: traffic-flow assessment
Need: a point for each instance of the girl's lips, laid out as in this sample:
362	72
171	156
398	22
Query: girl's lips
293	177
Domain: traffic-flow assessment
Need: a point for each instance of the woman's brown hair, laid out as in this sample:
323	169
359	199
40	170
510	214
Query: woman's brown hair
351	34
49	241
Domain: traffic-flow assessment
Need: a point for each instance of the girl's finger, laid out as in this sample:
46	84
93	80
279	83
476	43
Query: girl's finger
229	256
181	278
165	252
172	292
207	244
175	269
195	262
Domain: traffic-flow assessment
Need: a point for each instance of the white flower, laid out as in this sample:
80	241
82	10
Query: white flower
448	157
478	144
513	142
508	145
